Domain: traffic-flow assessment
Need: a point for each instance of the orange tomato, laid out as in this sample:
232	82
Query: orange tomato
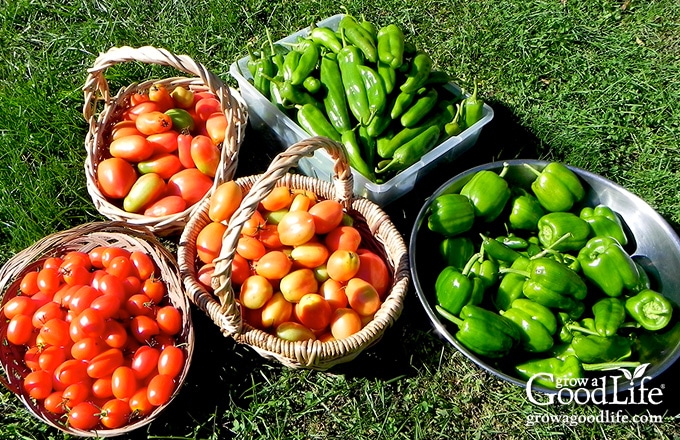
372	268
143	107
362	297
146	190
294	332
216	127
254	224
298	283
166	206
190	184
206	107
343	237
183	97
133	148
344	323
138	97
276	311
279	198
224	201
205	154
209	241
273	265
334	292
300	202
327	215
165	142
310	254
313	311
153	122
115	177
269	236
342	265
255	292
160	94
240	270
250	248
296	228
123	128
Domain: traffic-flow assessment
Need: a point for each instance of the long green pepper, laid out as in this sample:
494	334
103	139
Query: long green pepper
335	99
349	58
391	45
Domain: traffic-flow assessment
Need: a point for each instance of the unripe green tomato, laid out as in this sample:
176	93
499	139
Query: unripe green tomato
181	119
147	189
292	331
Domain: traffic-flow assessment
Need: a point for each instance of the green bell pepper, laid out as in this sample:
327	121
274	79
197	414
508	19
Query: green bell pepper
489	192
451	214
456	288
391	45
535	336
556	187
563	231
457	251
604	222
609	314
548	372
597	349
650	309
605	263
510	287
484	332
525	212
538	313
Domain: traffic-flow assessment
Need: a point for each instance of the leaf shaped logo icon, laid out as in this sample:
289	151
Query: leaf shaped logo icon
627	374
638	373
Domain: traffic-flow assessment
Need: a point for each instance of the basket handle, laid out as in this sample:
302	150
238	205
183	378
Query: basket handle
343	183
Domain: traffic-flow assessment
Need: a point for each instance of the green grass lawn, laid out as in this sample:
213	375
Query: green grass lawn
592	83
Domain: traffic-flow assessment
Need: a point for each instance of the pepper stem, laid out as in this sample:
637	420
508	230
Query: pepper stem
609	366
578	328
506	166
451	317
533	170
471	262
550	249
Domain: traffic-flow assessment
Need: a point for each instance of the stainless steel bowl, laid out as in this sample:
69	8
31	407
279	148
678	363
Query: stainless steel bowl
654	245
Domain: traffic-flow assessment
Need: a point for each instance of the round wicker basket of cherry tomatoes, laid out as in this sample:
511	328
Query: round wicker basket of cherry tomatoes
297	268
96	331
157	148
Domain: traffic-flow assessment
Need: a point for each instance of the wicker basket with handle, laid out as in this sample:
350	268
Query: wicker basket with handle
85	238
96	89
378	234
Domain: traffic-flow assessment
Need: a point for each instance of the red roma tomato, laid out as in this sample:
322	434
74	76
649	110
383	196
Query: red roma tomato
55	332
183	97
123	128
54	403
139	304
110	285
254	224
313	311
343	237
90	323
123	382
111	252
160	94
76	258
168	205
294	332
205	154
52	263
31	358
121	267
163	143
269	236
300	203
95	256
145	361
250	248
334	293
105	363
108	305
153	123
171	361
115	413
19	305
224	201
169	320
155	289
209	241
139	403
327	215
255	292
342	265
101	388
75	393
184	150
46	312
133	148
276	311
29	283
137	98
273	265
216	126
132	285
51	357
143	263
87	348
309	255
145	191
190	184
297	283
49	279
296	228
163	164
362	297
38	384
115	177
344	323
279	198
373	269
143	328
85	416
83	297
160	388
114	335
206	107
143	107
69	372
240	270
76	274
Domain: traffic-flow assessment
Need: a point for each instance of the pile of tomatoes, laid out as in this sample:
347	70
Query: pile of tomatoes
164	151
301	269
98	334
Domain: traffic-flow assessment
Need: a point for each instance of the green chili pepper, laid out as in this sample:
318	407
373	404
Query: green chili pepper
596	349
455	288
309	57
358	37
484	332
378	124
367	143
253	60
335	99
419	69
650	309
454	127
451	214
534	337
551	371
525	211
326	37
290	62
609	314
349	58
555	226
457	251
370	28
391	45
375	89
356	161
411	151
557	187
275	95
295	95
402	102
420	108
311	84
276	53
498	251
388	75
473	108
608	266
489	192
510	287
312	119
604	222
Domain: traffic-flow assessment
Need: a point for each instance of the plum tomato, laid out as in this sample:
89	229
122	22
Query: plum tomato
163	164
313	311
372	268
171	361
132	148
276	311
362	297
255	292
85	416
209	241
169	320
146	190
296	228
327	215
344	323
297	283
342	265
294	332
183	97
216	127
115	177
190	184
205	154
166	142
160	94
181	119
224	201
160	389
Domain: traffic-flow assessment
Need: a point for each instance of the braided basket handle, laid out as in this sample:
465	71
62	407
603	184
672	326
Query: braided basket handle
343	183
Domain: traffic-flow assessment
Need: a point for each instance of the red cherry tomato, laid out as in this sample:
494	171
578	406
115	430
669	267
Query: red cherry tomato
145	361
169	320
160	388
171	361
84	415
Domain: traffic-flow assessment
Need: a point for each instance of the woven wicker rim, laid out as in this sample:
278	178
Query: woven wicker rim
96	90
83	238
377	231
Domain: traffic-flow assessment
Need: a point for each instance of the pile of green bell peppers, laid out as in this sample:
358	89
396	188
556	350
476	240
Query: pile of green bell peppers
367	87
536	259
